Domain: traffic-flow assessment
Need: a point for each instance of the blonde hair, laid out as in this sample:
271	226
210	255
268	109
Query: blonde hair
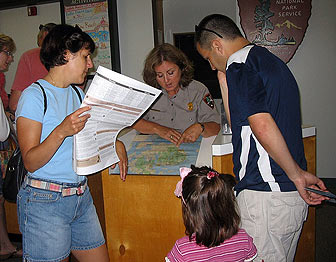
7	43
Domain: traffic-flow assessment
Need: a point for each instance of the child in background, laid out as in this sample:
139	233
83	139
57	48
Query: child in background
211	219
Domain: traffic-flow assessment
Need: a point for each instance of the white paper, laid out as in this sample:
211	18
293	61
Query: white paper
204	157
117	101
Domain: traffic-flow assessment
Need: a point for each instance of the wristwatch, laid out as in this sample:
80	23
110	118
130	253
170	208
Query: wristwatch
202	125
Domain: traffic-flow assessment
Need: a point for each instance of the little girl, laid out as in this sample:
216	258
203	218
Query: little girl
211	219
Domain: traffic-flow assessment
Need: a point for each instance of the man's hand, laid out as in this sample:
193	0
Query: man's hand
307	179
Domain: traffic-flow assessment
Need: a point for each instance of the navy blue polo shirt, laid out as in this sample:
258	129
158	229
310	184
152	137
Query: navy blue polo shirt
260	82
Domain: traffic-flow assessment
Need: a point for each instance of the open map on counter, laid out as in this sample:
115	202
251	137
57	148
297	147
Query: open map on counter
117	101
153	155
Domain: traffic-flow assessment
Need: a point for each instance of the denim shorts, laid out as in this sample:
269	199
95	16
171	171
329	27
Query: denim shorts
52	225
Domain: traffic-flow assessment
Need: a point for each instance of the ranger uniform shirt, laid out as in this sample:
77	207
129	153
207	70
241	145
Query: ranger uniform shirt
192	104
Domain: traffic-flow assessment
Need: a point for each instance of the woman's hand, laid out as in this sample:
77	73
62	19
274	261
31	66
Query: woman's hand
74	122
123	163
191	134
148	127
169	134
36	154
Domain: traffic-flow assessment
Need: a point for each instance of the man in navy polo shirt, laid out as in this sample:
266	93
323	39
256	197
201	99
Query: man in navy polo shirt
261	100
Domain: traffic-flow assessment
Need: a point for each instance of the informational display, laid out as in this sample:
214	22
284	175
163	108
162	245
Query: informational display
93	18
153	155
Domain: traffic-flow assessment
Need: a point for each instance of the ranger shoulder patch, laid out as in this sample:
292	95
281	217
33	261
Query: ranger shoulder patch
209	100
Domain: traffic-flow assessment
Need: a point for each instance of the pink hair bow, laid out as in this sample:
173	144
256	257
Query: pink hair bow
212	174
184	171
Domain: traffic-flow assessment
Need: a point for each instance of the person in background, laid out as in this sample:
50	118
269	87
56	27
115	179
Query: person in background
185	110
29	68
262	103
7	46
56	211
211	219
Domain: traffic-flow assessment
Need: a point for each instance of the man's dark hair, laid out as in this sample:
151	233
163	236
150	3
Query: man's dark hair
60	39
213	26
209	209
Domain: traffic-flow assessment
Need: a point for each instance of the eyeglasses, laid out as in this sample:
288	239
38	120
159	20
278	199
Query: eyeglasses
8	53
199	29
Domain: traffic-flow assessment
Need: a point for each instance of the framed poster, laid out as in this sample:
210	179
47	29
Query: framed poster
278	25
98	18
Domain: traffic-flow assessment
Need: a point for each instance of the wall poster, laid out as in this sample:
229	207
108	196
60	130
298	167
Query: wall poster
278	25
98	18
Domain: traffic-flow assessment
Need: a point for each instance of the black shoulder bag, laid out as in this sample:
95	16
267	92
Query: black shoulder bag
16	172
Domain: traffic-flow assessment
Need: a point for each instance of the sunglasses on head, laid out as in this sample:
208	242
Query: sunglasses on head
199	29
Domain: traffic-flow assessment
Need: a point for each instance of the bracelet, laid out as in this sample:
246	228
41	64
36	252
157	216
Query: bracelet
202	125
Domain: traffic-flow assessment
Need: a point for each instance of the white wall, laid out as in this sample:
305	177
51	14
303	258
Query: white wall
313	64
136	37
315	70
182	16
24	29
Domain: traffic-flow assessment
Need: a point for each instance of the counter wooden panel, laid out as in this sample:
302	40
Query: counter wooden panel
11	218
143	216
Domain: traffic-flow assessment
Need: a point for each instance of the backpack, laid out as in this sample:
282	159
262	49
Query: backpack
15	171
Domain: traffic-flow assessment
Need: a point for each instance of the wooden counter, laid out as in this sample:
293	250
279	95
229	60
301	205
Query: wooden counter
142	218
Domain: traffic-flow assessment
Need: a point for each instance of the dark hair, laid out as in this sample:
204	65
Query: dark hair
47	27
218	23
60	39
169	53
6	42
209	209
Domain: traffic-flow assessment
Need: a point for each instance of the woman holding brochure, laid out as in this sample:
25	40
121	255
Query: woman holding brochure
55	207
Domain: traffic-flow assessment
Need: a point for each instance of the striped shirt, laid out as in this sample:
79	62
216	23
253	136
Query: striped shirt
240	247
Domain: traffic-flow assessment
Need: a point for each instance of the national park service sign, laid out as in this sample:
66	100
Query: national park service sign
278	25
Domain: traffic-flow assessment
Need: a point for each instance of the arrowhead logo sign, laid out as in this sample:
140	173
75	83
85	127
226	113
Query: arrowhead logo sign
278	25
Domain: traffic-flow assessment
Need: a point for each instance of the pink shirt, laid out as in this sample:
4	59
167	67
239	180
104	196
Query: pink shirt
240	247
3	93
30	69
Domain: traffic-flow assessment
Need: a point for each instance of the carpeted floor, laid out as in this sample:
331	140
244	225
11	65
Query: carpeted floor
326	227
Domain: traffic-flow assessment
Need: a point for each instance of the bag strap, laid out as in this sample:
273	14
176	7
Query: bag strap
13	134
77	91
44	96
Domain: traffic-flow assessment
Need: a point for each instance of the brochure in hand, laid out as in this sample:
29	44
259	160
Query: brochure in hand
117	101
